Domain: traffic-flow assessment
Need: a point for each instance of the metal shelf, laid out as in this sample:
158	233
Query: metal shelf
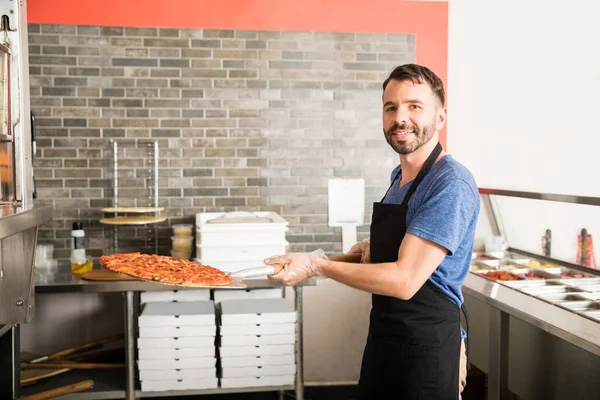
140	394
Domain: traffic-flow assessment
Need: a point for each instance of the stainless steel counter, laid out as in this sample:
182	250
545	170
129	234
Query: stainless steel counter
505	303
64	281
574	328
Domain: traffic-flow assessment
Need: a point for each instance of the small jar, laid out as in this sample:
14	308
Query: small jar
81	265
183	230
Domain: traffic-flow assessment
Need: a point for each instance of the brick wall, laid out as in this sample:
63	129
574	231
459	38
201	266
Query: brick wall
245	120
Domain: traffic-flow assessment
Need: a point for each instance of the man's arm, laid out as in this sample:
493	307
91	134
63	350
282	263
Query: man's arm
417	259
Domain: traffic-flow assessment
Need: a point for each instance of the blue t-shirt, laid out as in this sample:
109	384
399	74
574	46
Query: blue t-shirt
444	209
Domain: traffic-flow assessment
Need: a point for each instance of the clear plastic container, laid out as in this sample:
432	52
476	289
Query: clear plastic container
182	243
183	230
184	255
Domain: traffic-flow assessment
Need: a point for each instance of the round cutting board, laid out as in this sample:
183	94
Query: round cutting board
106	275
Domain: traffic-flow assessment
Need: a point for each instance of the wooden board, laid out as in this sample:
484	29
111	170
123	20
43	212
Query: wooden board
141	220
106	275
34	375
132	209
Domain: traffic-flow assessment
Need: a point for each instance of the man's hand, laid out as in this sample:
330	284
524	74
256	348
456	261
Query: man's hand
297	266
364	248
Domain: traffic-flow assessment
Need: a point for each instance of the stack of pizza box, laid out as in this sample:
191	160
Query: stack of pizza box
176	343
238	240
257	342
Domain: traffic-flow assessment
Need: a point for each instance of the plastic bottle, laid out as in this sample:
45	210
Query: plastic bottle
78	241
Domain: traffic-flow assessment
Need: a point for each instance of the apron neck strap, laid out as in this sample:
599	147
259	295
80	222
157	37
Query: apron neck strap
424	170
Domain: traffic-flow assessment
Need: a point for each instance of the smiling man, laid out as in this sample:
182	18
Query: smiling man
418	254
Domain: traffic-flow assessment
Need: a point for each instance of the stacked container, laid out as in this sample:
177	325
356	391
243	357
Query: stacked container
176	344
182	241
239	240
257	342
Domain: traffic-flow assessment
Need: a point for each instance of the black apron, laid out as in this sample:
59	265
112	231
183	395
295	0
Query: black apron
413	346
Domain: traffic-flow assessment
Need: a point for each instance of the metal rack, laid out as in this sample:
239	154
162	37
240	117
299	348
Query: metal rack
134	175
112	385
506	301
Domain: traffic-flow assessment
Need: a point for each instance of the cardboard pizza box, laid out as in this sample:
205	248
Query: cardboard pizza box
256	311
192	313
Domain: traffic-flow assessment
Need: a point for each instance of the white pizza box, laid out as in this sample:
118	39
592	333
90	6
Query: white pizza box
217	255
240	228
177	363
183	384
177	374
256	361
227	294
258	329
175	343
192	313
262	350
280	380
257	340
175	295
262	371
177	331
177	353
256	311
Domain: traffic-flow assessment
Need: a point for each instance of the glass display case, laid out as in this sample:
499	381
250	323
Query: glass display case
566	278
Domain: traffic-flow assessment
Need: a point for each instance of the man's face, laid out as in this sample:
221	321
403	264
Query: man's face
411	115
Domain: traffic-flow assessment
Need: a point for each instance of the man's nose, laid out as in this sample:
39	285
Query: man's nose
401	116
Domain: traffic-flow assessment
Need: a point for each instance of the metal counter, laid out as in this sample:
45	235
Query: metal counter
64	282
504	301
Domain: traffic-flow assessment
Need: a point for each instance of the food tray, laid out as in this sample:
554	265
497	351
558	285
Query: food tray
593	314
503	275
591	296
581	305
535	264
571	274
588	288
530	283
550	289
538	274
583	281
562	297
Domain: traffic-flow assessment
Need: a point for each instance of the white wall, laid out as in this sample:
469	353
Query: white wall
524	104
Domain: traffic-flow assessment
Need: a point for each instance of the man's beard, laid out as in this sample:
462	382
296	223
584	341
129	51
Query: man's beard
407	147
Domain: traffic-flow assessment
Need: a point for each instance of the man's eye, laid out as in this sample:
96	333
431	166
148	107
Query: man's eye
390	109
414	107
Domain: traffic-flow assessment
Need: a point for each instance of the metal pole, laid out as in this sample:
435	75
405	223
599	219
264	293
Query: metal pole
129	346
299	344
498	353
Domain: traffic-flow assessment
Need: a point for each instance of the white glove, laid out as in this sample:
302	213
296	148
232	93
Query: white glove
364	248
297	266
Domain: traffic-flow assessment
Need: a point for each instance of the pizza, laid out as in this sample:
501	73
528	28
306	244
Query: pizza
165	269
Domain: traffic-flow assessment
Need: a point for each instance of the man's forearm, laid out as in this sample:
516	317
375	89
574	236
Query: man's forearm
348	258
383	279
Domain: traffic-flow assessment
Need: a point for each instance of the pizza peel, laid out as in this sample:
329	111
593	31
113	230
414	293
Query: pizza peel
237	278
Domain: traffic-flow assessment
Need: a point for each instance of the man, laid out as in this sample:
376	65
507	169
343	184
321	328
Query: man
420	249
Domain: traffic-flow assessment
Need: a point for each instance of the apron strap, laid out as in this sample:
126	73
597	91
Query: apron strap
424	170
426	167
392	184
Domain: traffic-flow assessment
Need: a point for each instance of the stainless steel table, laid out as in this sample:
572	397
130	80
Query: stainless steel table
504	302
65	282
